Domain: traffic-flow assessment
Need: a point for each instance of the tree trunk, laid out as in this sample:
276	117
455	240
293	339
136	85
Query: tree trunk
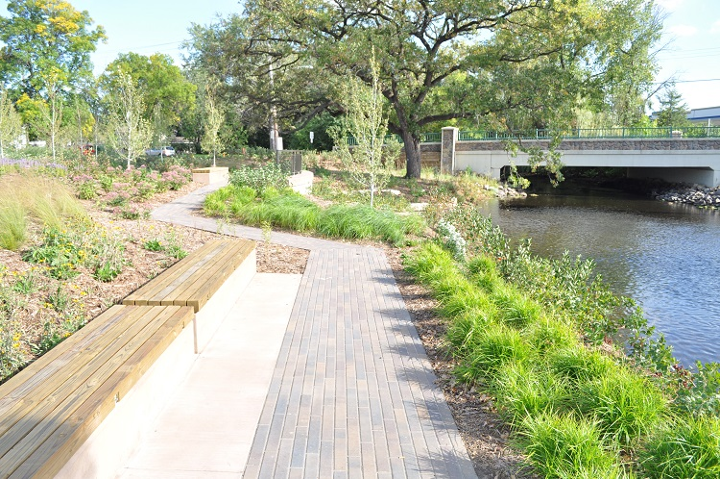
412	155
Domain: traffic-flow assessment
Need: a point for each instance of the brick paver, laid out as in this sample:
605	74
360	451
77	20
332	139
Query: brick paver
353	393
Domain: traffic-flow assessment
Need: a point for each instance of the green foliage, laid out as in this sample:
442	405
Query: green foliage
49	339
625	405
59	253
524	390
369	159
673	112
686	448
492	348
700	394
64	252
531	67
321	126
287	209
12	354
580	365
212	141
167	94
25	283
575	409
13	224
10	122
260	178
567	447
43	37
128	132
153	245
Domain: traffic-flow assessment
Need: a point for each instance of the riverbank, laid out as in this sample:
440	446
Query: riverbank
697	195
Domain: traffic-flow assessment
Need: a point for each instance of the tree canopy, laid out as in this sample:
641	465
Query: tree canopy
513	63
673	111
167	94
40	36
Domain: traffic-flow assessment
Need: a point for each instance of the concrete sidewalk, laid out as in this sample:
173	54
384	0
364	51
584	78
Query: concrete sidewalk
350	395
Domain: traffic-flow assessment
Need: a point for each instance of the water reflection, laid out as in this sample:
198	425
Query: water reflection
665	256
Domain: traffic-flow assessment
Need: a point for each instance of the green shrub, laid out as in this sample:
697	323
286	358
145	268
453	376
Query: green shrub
515	309
701	395
464	330
260	178
580	365
549	334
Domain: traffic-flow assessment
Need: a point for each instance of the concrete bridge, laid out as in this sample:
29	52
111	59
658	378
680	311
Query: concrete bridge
688	160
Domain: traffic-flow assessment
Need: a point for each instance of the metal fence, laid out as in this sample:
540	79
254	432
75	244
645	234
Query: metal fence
596	133
573	134
290	160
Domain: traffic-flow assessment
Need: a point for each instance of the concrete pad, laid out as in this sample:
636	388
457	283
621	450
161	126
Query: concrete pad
207	428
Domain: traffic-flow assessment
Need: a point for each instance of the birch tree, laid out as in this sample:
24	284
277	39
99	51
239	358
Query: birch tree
369	157
129	134
214	119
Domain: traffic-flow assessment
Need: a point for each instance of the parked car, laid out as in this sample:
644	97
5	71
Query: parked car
167	151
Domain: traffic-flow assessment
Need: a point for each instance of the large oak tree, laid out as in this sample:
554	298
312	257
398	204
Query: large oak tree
517	63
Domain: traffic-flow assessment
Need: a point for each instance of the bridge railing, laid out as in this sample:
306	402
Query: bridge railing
596	133
574	134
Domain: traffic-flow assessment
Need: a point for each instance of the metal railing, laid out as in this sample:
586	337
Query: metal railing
574	134
597	133
433	137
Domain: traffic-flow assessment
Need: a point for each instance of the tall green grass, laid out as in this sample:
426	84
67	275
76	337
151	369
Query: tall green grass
686	448
564	446
289	210
624	404
13	224
25	199
575	409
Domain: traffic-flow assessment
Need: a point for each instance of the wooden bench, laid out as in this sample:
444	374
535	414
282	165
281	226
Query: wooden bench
64	414
194	279
51	407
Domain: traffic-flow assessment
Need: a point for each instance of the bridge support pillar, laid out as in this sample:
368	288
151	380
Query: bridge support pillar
447	149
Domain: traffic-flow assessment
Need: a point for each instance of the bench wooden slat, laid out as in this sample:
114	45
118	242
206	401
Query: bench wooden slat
204	292
21	386
74	367
193	282
160	327
196	293
151	288
188	276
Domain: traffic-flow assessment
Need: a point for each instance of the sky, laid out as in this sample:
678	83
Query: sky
690	53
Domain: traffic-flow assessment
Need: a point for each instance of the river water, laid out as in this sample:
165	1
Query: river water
666	257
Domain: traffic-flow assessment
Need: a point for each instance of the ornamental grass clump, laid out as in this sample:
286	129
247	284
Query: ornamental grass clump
526	389
290	210
25	199
689	447
624	404
490	349
566	446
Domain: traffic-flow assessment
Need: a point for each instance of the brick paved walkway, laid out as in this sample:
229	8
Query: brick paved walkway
353	393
